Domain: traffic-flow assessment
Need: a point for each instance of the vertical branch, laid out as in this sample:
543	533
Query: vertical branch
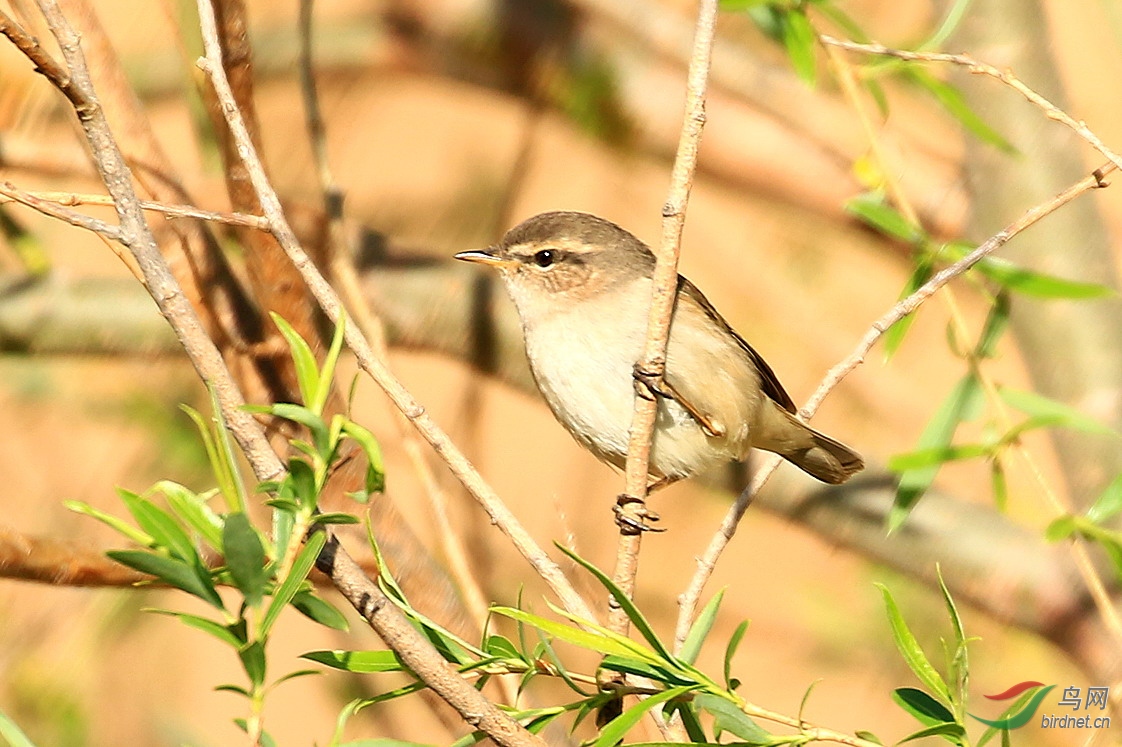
664	293
328	300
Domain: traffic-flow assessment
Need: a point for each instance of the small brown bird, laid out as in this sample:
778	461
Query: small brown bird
582	288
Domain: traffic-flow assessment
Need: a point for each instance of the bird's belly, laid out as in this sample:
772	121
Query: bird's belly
588	383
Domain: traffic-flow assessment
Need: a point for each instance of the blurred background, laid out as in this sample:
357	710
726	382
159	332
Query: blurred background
448	121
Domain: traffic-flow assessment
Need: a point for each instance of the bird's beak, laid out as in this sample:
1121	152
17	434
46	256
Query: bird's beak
484	257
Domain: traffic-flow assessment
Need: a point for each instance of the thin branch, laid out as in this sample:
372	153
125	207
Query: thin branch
980	68
664	293
415	651
689	599
356	341
73	199
55	209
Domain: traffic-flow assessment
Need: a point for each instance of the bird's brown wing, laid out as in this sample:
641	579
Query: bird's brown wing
769	382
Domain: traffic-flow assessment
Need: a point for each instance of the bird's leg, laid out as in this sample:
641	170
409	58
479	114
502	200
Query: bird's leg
649	384
633	519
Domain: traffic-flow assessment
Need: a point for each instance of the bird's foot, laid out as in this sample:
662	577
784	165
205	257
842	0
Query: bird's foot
632	515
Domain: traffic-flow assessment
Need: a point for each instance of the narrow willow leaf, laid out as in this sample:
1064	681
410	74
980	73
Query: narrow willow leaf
938	456
288	588
600	642
699	631
193	511
945	729
998	483
954	16
616	729
1108	504
920	704
959	664
375	469
305	417
895	335
910	649
218	630
245	558
1037	405
936	434
252	656
214	457
868	736
874	210
1020	279
996	321
171	571
12	733
226	468
801	43
362	662
160	525
327	374
955	104
307	370
730	652
728	717
633	613
319	610
1060	529
122	526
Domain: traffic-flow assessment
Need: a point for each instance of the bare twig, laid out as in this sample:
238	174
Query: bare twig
356	341
343	271
688	600
415	651
73	199
664	292
980	68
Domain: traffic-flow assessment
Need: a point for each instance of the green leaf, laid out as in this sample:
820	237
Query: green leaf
728	717
801	43
375	469
218	630
307	370
1016	278
327	374
633	613
910	649
954	16
288	588
656	672
868	736
730	651
190	578
734	6
959	664
874	210
193	511
936	434
362	662
597	639
952	100
319	610
335	517
1060	529
220	461
1037	405
921	705
252	656
996	321
616	729
12	733
122	526
303	481
160	525
937	456
245	558
894	337
1108	504
699	631
947	729
310	420
998	483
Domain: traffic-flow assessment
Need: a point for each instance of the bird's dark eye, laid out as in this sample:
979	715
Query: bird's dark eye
545	258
